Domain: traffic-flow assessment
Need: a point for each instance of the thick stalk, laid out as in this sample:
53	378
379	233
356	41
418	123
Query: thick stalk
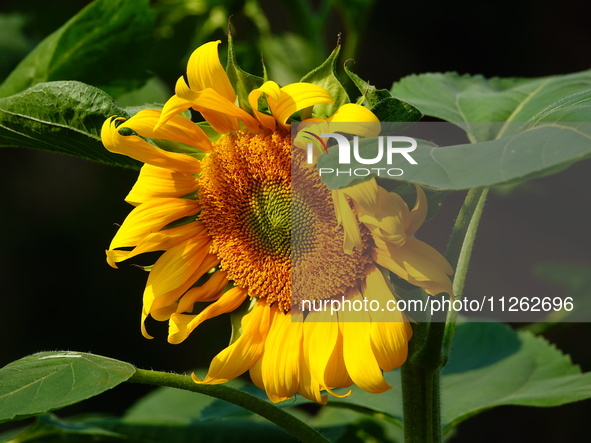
429	347
281	418
420	387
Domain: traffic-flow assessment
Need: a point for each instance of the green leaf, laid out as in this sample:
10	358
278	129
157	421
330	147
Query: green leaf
325	76
536	138
532	151
242	81
490	365
468	99
50	428
64	117
51	380
107	44
382	104
533	374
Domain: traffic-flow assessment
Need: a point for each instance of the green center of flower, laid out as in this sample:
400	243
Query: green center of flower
270	217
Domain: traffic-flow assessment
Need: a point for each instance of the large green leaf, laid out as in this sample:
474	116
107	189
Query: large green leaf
468	99
106	44
51	380
534	374
524	128
490	365
64	117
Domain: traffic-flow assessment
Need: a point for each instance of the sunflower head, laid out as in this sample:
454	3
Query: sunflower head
244	220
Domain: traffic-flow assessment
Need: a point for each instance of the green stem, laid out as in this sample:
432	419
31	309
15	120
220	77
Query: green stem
281	418
420	387
459	251
429	347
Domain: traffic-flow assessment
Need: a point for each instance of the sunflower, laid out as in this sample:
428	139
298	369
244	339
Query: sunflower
246	225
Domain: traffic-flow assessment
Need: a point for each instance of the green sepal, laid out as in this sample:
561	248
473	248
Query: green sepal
325	76
382	104
242	82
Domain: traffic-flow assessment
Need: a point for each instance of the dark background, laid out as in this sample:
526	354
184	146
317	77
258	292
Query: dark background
57	213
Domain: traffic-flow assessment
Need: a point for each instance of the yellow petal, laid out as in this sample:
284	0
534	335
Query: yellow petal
173	106
211	100
181	325
272	90
389	330
177	128
365	195
321	333
355	119
281	358
256	374
204	70
389	342
309	386
211	290
346	217
173	273
219	121
158	241
358	354
295	97
416	262
155	182
384	213
418	213
151	217
336	374
139	149
244	352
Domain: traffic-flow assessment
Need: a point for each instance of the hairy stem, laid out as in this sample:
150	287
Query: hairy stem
280	417
431	342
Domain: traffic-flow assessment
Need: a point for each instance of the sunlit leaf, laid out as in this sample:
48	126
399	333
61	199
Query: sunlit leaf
524	128
64	117
106	45
51	380
490	365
